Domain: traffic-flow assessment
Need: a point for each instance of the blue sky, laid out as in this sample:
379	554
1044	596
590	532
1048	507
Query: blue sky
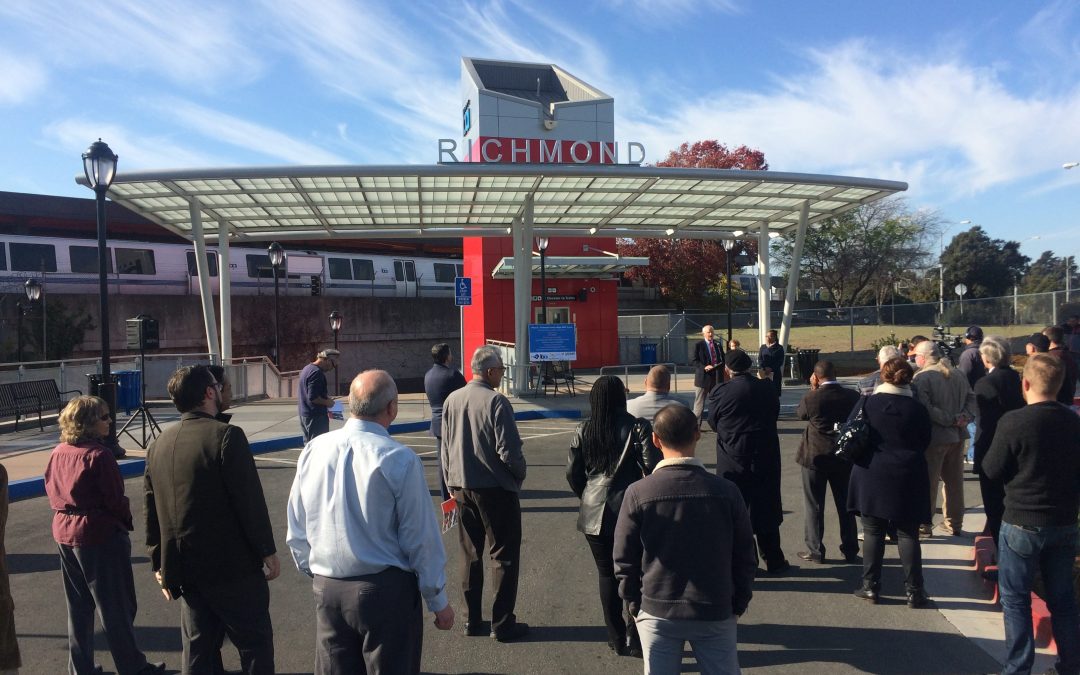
976	104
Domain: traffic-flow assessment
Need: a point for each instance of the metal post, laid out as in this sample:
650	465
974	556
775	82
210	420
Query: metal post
337	371
107	389
543	285
277	321
18	332
851	319
941	293
727	260
1016	308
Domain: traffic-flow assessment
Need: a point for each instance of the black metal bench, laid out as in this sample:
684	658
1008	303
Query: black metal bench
21	399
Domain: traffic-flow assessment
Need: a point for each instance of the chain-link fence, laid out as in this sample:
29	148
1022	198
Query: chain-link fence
839	329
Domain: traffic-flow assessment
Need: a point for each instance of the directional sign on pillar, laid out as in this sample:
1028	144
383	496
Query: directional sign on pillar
462	291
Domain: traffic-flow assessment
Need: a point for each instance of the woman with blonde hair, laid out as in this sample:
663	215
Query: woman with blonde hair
90	525
945	392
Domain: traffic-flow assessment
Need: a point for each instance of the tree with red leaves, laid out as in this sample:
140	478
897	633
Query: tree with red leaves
684	270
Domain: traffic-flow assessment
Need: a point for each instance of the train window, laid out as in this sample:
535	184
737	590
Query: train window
33	257
410	270
444	273
84	259
211	258
339	268
399	271
135	261
363	270
3	257
460	270
258	266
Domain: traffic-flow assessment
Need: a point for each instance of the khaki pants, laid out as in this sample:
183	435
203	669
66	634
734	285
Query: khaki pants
945	462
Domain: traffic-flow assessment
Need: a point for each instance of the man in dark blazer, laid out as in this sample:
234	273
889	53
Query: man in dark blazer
996	393
827	405
771	360
440	382
708	368
208	531
743	412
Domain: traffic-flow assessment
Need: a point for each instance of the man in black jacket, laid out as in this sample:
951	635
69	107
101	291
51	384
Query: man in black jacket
771	360
743	412
1036	452
708	368
826	406
209	534
439	382
684	554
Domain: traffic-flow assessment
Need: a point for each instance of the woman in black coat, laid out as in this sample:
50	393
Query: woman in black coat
610	450
891	486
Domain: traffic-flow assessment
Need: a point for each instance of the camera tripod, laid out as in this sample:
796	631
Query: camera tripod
143	413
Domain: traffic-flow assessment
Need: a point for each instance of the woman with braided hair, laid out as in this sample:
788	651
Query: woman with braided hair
610	450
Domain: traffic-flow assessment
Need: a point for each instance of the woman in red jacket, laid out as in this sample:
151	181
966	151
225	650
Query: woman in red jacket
90	525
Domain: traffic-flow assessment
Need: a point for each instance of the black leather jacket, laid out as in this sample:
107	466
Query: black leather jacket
601	495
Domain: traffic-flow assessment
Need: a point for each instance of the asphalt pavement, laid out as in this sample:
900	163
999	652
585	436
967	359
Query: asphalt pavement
803	622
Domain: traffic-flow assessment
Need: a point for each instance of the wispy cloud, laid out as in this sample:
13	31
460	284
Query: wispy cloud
672	9
241	133
193	43
22	78
137	150
946	126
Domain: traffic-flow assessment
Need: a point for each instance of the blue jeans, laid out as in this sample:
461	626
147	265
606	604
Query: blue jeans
714	643
1022	551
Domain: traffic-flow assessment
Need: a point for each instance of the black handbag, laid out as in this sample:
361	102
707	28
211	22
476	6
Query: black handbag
853	441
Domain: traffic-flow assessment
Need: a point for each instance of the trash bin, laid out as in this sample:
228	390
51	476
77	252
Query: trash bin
129	389
648	353
807	359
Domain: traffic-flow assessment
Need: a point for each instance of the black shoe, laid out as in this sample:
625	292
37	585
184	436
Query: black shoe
778	567
868	593
514	631
477	628
619	647
810	557
852	559
917	598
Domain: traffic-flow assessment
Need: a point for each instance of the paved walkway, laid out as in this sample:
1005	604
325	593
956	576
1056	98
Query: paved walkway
271	425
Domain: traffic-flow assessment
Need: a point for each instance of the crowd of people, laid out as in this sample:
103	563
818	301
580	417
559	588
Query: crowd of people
676	546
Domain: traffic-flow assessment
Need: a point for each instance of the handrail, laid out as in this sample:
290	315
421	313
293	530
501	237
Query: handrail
674	367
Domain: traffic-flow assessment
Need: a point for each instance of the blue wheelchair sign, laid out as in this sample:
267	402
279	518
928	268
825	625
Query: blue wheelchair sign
462	291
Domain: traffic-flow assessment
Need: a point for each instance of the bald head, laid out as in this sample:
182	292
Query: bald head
658	380
373	397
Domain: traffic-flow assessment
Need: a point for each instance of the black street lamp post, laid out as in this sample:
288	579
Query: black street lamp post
728	245
99	165
335	326
277	259
542	244
33	294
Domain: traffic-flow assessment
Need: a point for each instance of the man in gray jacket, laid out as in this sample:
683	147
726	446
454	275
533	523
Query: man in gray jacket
484	467
657	394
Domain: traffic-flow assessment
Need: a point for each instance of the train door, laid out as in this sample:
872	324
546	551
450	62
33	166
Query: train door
554	315
405	278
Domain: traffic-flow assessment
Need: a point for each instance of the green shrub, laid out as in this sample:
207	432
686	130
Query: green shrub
889	339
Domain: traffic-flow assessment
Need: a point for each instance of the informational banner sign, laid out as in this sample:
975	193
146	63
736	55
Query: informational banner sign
558	298
462	291
552	342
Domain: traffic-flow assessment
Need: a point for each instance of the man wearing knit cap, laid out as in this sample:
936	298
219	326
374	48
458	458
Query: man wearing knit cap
743	412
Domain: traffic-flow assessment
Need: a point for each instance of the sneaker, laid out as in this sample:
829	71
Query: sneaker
926	531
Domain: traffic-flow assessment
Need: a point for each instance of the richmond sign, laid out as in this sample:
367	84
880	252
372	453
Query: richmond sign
499	150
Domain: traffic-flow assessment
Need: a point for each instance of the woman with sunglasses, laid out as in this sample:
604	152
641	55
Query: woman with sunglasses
90	525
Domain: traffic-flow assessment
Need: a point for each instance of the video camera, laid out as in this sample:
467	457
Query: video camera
946	342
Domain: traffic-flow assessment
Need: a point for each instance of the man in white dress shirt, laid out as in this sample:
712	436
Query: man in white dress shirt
362	525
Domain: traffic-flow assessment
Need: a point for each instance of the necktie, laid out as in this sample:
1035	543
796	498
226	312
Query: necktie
712	353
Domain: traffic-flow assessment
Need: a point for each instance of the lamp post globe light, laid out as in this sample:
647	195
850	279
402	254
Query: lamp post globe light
335	326
33	294
728	245
542	244
99	165
277	258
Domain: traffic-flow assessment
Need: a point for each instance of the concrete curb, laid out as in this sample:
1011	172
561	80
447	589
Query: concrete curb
29	488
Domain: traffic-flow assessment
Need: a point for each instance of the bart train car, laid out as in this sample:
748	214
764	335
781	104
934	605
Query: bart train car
138	267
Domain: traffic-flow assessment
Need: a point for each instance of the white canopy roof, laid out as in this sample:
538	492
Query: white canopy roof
466	199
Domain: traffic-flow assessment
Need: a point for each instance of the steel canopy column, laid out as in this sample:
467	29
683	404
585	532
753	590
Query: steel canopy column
793	274
523	261
764	287
225	290
206	294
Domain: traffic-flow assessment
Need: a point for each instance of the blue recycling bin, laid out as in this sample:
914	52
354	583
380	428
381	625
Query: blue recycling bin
648	353
129	389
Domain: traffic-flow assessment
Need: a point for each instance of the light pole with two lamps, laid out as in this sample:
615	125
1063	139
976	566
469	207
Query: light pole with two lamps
277	258
99	165
728	245
335	326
